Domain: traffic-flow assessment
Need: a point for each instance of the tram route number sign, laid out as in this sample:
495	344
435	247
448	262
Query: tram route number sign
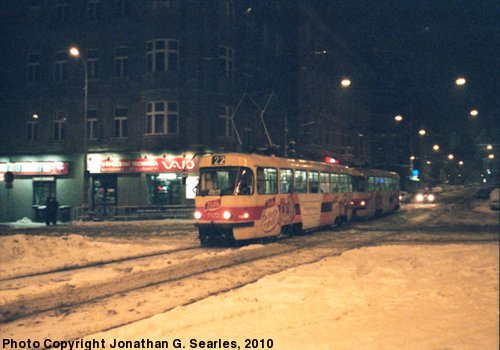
219	160
9	179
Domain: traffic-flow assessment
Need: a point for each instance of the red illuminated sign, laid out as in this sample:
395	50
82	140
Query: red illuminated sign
34	168
144	165
331	160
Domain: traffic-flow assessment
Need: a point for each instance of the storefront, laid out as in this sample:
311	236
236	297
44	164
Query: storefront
36	180
121	180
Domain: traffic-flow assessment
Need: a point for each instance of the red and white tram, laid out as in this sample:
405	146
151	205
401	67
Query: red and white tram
247	196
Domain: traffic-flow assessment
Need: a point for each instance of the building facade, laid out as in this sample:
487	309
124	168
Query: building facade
156	83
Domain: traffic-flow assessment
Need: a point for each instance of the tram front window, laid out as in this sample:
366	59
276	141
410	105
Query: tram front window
226	181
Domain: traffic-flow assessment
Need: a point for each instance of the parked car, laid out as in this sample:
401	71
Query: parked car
494	199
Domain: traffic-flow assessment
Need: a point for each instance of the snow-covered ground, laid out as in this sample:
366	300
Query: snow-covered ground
399	296
388	297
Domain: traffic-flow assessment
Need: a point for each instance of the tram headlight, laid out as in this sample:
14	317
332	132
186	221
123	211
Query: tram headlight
227	215
362	203
419	197
197	215
245	215
431	198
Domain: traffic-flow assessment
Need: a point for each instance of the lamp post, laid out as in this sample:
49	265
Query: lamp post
75	52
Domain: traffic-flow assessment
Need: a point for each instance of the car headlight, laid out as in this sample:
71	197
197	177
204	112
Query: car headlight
419	197
431	198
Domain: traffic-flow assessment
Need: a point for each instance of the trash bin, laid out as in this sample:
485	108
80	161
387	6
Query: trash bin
39	213
65	213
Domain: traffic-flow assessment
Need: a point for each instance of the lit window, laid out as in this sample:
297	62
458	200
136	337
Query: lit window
267	181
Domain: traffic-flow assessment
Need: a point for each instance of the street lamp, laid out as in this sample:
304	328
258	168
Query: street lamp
460	162
75	52
346	82
422	132
398	118
460	81
489	147
491	156
474	113
451	156
435	148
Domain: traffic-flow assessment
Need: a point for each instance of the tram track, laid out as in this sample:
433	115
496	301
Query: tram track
328	244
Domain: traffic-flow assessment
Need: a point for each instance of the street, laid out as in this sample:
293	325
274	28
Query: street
425	277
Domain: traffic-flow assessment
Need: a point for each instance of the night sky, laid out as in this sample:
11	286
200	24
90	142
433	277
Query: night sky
412	51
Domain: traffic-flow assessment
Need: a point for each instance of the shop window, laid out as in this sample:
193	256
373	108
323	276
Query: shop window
43	190
104	190
165	189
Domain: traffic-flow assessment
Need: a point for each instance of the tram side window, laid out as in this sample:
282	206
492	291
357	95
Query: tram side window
313	177
300	181
324	182
349	183
267	181
359	183
343	184
372	186
334	179
286	180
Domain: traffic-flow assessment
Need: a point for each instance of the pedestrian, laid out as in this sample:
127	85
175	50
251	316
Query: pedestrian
51	208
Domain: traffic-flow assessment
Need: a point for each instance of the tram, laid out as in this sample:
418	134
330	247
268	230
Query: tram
247	196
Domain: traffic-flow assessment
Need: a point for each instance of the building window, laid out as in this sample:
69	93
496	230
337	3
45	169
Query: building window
59	126
92	124
93	64
225	122
32	130
162	55
62	7
121	61
120	127
60	63
226	60
162	118
93	9
33	67
122	8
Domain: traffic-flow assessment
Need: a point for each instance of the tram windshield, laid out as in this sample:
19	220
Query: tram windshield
224	181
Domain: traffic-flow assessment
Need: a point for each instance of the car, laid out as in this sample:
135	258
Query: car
484	193
494	205
404	197
424	197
